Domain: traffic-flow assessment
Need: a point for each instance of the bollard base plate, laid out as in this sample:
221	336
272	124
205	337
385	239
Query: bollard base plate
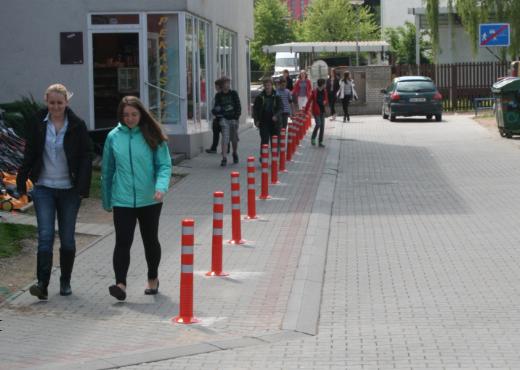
237	242
264	197
214	273
185	320
251	218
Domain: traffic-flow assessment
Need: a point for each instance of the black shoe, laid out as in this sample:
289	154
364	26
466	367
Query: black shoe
43	273
348	118
321	145
235	158
223	162
150	291
211	151
66	264
65	288
117	292
344	119
39	290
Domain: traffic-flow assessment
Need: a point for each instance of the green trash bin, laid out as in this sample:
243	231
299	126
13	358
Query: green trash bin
507	106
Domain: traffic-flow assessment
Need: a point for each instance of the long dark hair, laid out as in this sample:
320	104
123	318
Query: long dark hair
150	128
346	76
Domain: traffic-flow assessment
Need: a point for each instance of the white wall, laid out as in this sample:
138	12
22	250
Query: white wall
460	49
394	13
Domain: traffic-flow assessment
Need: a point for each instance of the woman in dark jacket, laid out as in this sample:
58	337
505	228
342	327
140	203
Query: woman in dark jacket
58	161
332	90
267	110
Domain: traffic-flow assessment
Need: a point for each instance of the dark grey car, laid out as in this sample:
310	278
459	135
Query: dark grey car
412	96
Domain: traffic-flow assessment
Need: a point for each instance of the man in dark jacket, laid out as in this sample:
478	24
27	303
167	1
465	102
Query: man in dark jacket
267	110
227	107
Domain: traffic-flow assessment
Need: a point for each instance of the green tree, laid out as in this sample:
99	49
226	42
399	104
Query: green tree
402	44
272	26
337	20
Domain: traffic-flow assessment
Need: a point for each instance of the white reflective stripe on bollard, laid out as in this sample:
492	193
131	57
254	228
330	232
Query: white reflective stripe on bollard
187	230
187	269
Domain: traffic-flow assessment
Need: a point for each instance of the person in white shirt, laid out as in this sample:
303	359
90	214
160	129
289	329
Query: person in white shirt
346	93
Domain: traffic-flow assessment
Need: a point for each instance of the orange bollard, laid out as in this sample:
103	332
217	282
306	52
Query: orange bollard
282	150
274	160
236	231
186	288
290	142
303	125
264	194
308	120
216	244
251	191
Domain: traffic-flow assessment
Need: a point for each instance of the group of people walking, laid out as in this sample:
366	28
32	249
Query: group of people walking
272	108
136	173
136	166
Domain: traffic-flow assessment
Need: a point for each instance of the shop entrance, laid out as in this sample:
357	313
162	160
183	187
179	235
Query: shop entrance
116	73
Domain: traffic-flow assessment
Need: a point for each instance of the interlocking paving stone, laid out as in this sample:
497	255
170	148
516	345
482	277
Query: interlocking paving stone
89	327
422	263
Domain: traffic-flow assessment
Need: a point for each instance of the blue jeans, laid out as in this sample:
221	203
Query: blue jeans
48	203
318	126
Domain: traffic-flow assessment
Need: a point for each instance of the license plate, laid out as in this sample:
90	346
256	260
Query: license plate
417	100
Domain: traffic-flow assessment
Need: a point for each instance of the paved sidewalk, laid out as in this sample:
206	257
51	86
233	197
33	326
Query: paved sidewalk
91	330
422	258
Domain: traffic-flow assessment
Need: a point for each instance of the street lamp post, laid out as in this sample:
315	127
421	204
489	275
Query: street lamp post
357	4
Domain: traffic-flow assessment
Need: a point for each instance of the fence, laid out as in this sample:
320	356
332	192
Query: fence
459	83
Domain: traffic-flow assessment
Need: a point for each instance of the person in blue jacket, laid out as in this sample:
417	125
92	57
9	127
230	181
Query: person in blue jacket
136	172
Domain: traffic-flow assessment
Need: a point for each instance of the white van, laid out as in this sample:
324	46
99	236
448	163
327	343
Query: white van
288	61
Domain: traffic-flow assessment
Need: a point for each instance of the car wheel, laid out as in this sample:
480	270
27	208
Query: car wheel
438	117
429	117
392	117
501	132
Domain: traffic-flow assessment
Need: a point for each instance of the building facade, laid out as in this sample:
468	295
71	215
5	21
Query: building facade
455	45
166	53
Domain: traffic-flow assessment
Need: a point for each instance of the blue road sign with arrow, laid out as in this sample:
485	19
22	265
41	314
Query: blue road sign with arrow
494	34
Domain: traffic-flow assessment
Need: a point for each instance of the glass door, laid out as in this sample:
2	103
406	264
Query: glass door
115	73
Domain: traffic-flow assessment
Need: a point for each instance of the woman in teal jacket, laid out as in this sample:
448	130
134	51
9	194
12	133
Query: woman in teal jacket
136	173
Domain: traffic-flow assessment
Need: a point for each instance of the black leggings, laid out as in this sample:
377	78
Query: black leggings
267	131
215	126
125	220
332	102
346	102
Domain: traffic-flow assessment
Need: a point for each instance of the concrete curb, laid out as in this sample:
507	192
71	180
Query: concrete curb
303	308
174	352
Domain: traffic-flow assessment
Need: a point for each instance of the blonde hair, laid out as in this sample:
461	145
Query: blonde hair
58	89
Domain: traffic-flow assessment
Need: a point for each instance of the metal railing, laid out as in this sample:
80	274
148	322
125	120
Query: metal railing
164	91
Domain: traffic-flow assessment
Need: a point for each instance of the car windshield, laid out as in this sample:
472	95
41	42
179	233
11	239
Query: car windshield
285	62
415	86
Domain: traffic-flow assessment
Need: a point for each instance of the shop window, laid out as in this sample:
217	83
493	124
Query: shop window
163	67
226	55
197	38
